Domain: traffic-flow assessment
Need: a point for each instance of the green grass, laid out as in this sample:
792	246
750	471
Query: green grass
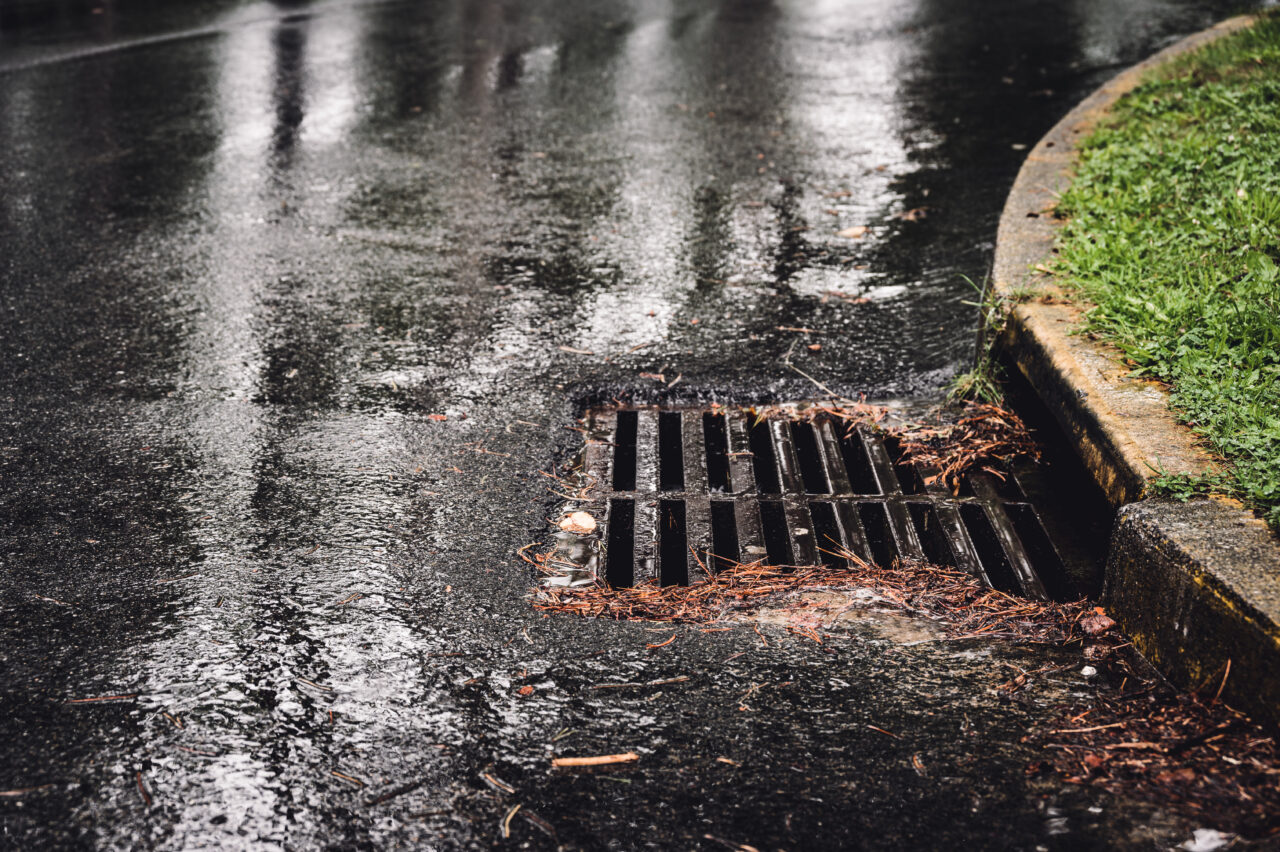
1173	233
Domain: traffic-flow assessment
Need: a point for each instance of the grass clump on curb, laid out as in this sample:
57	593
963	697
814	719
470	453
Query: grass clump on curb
1173	234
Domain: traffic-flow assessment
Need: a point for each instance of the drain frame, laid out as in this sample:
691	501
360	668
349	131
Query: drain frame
690	469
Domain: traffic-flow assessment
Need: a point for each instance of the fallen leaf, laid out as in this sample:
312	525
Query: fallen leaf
815	347
526	690
1095	624
856	232
437	417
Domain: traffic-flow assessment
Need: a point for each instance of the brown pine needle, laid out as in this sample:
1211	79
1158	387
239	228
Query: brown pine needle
598	760
506	823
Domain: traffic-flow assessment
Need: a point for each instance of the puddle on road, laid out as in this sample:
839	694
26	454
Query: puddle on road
848	611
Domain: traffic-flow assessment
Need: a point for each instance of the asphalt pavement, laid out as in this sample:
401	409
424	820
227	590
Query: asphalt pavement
297	299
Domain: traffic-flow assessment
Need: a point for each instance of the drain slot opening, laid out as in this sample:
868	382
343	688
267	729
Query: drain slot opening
857	465
716	438
908	477
826	533
1040	549
810	458
777	543
875	520
764	461
624	451
620	570
673	550
932	537
999	569
724	535
670	452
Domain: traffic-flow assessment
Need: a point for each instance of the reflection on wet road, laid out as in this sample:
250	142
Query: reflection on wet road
248	249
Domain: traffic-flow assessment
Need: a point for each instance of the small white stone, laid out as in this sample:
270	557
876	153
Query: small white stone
1089	671
579	523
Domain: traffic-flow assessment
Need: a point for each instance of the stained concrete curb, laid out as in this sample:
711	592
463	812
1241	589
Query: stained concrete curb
1195	585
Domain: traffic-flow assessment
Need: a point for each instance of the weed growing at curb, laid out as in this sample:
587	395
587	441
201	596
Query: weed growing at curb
1173	235
982	383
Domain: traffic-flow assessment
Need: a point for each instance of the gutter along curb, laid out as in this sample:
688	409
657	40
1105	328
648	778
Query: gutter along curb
1195	585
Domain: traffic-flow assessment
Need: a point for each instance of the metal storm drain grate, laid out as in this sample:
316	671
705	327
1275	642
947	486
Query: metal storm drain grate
669	483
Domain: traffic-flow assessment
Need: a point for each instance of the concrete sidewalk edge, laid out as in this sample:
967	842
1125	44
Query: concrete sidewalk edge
1196	585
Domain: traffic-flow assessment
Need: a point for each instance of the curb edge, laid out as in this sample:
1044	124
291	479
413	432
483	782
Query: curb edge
1195	585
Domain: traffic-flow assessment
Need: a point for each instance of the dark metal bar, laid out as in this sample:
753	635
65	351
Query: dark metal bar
1019	561
788	464
741	478
795	509
647	565
855	538
697	526
900	524
800	526
695	454
832	459
597	455
743	482
646	451
962	549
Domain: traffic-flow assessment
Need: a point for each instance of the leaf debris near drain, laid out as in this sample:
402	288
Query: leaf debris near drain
657	490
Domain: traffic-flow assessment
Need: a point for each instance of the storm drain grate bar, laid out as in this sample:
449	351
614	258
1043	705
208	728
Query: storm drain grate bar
678	487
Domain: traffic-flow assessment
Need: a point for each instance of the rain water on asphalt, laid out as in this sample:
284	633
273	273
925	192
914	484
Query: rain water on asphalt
297	299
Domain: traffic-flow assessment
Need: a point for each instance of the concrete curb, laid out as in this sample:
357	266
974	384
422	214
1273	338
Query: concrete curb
1195	585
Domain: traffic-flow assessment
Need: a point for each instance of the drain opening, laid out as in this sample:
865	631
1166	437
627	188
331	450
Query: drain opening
879	538
994	560
776	542
622	542
764	460
857	465
673	540
670	452
909	479
691	490
724	535
826	531
937	549
810	458
624	451
716	438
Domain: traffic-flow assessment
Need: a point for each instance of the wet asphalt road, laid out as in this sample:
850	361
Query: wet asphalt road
246	249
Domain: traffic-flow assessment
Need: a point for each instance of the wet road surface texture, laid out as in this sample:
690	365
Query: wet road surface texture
248	249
